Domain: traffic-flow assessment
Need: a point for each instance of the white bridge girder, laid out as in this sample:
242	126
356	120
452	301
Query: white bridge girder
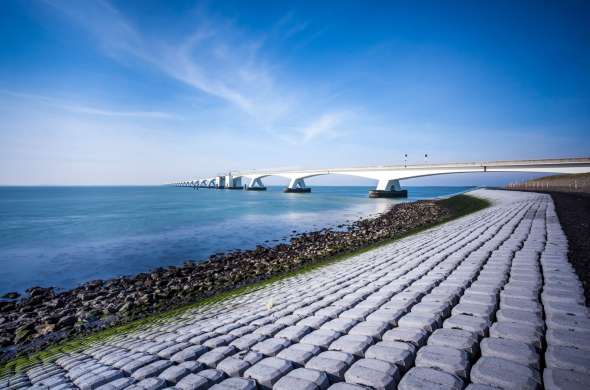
388	177
296	179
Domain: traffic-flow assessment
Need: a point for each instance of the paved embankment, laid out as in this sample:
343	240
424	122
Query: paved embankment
486	300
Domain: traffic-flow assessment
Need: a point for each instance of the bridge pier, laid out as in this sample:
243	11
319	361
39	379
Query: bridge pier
388	189
233	183
297	186
255	185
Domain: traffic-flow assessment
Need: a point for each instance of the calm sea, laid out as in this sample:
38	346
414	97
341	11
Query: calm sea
63	236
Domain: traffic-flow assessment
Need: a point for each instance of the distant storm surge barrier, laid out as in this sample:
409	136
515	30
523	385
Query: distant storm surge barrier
387	177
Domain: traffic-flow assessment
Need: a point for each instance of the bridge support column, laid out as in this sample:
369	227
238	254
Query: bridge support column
219	182
232	183
388	189
297	186
255	185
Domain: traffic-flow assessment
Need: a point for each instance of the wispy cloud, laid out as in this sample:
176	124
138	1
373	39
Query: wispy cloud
326	125
218	59
82	109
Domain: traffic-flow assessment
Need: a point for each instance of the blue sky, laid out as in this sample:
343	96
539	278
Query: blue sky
139	92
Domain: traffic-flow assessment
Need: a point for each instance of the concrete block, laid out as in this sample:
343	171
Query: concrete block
352	344
247	341
215	342
269	330
568	358
521	317
568	322
373	373
212	375
118	384
562	296
299	354
479	298
152	384
213	357
167	353
250	357
192	366
303	378
333	363
479	386
193	382
313	322
521	304
419	378
190	353
568	338
152	369
293	333
455	338
426	322
289	320
441	308
133	366
271	346
391	316
330	311
357	313
475	309
321	337
127	360
232	366
512	350
89	381
341	325
451	360
174	374
517	332
395	352
505	374
559	379
477	325
575	309
414	336
372	329
201	338
235	384
268	371
346	386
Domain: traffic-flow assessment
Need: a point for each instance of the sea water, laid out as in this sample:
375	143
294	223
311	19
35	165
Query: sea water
64	236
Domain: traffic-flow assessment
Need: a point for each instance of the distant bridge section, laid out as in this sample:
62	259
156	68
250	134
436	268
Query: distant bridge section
387	177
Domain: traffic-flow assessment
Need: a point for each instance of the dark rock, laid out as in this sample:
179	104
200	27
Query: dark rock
65	322
6	306
11	295
5	340
42	292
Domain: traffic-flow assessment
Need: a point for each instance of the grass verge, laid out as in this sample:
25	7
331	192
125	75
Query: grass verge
458	206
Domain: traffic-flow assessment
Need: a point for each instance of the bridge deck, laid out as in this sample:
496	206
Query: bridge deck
480	300
583	161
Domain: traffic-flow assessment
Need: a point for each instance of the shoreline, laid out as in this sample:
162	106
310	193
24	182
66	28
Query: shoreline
122	301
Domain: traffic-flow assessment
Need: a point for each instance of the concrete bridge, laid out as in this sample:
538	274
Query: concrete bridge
387	177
